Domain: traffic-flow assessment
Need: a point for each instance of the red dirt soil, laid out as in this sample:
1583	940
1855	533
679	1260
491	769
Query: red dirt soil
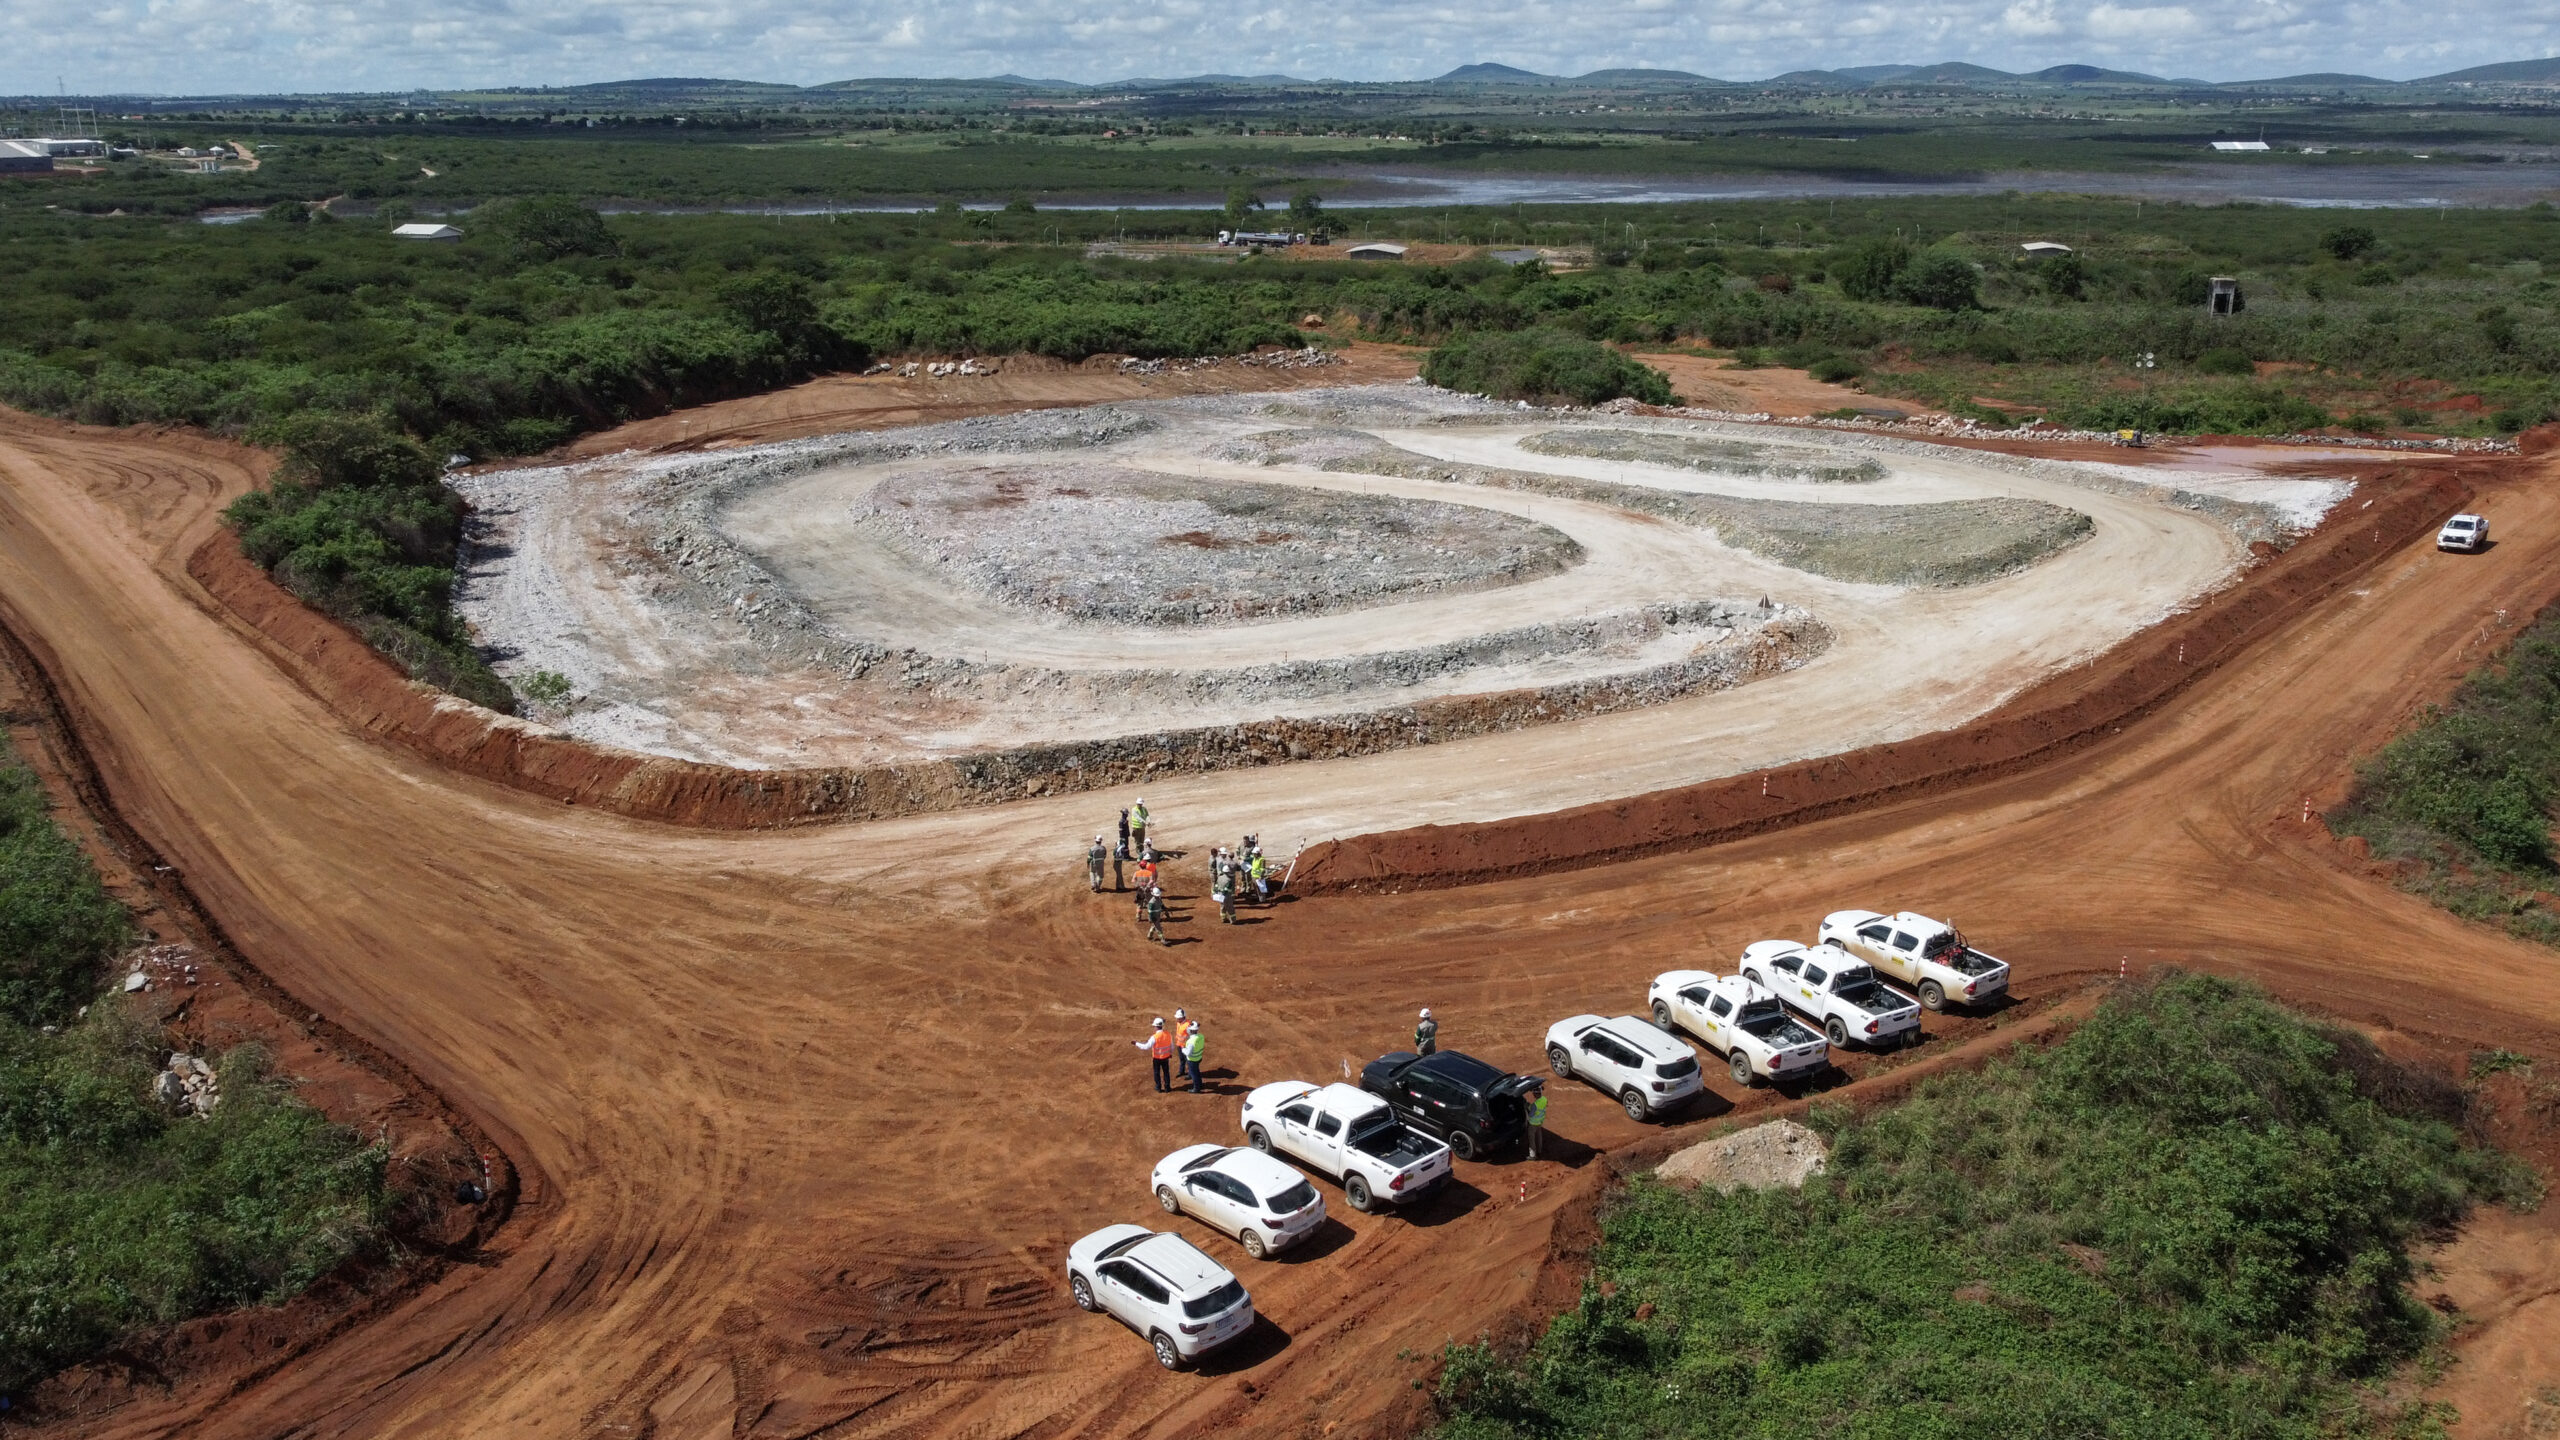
805	1117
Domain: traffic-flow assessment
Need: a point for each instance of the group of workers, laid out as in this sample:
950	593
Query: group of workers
1230	871
1179	1041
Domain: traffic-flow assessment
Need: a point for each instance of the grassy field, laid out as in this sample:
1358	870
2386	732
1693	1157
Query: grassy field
2189	1220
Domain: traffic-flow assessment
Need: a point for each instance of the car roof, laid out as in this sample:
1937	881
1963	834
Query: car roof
1280	1092
1180	1263
2464	519
1347	1100
1914	920
1850	917
1465	1069
1264	1176
1642	1035
1772	947
1677	978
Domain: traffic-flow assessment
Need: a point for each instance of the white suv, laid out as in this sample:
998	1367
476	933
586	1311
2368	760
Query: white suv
1647	1070
1264	1204
2463	532
1161	1286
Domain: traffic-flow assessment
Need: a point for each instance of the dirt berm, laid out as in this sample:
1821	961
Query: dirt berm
2059	715
371	693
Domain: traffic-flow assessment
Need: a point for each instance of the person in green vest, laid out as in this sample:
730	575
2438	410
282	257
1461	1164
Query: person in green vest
1222	884
1155	913
1193	1047
1537	1102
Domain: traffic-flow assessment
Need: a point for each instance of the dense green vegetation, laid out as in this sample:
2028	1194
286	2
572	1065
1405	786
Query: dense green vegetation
526	331
2190	1218
2466	793
358	524
1548	367
114	1214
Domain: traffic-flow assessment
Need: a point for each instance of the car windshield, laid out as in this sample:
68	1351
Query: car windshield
1674	1069
1216	1302
1211	1158
1292	1200
1123	1247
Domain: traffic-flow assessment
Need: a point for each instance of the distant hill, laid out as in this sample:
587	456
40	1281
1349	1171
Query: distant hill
1490	74
1646	77
2514	72
2324	80
2092	75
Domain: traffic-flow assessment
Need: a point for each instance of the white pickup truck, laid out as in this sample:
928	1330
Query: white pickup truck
1349	1134
1927	955
1839	990
1740	1021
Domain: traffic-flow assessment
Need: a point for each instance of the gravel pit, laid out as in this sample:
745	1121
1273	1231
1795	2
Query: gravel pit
1117	545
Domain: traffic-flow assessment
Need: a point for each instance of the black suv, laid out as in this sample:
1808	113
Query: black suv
1472	1105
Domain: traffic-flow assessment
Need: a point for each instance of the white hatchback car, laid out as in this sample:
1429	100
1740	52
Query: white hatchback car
1647	1070
1161	1286
1265	1204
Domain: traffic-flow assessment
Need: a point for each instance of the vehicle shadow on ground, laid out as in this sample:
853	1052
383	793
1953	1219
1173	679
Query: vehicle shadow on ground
1332	1235
1454	1201
1260	1343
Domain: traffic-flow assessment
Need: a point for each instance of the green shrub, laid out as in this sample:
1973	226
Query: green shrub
1873	271
1543	366
2350	242
1941	280
58	926
1836	370
551	227
121	1216
2473	782
2224	410
359	524
2225	361
2190	1218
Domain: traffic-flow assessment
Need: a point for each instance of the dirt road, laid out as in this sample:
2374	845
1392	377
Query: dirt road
806	1118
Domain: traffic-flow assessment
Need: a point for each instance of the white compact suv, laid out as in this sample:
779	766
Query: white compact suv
1647	1070
1263	1203
2463	532
1161	1286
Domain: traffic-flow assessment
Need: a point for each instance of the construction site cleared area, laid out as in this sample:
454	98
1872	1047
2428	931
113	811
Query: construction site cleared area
756	989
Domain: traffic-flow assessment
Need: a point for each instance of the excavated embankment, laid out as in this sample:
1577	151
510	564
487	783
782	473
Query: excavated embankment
338	667
2054	718
2048	720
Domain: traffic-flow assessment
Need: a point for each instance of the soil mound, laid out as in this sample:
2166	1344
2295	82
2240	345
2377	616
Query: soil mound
1780	1153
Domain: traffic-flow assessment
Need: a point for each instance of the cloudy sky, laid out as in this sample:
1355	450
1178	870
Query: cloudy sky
233	46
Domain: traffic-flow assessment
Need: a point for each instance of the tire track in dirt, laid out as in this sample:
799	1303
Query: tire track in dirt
768	1088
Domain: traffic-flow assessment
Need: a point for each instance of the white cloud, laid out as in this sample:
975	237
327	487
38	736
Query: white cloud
233	46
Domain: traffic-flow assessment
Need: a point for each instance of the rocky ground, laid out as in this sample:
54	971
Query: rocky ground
1953	542
1113	544
1803	463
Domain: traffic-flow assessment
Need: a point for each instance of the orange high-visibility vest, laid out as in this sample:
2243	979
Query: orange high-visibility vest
1160	1046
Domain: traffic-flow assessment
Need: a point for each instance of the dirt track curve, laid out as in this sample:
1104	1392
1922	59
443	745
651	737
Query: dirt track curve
805	1118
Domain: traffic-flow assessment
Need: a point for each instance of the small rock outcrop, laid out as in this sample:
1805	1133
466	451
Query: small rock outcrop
1780	1153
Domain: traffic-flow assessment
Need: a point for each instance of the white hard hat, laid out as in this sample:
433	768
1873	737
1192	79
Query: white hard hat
1159	1020
1426	1012
1181	1014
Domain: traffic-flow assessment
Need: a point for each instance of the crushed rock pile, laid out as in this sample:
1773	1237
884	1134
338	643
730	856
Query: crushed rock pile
1106	543
1780	1153
1744	459
188	1086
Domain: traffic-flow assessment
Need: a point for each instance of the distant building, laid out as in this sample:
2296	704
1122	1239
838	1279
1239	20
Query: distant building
2222	296
70	147
2041	249
24	157
425	231
2241	145
1374	250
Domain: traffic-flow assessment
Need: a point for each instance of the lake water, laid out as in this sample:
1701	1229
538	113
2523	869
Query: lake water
2429	184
